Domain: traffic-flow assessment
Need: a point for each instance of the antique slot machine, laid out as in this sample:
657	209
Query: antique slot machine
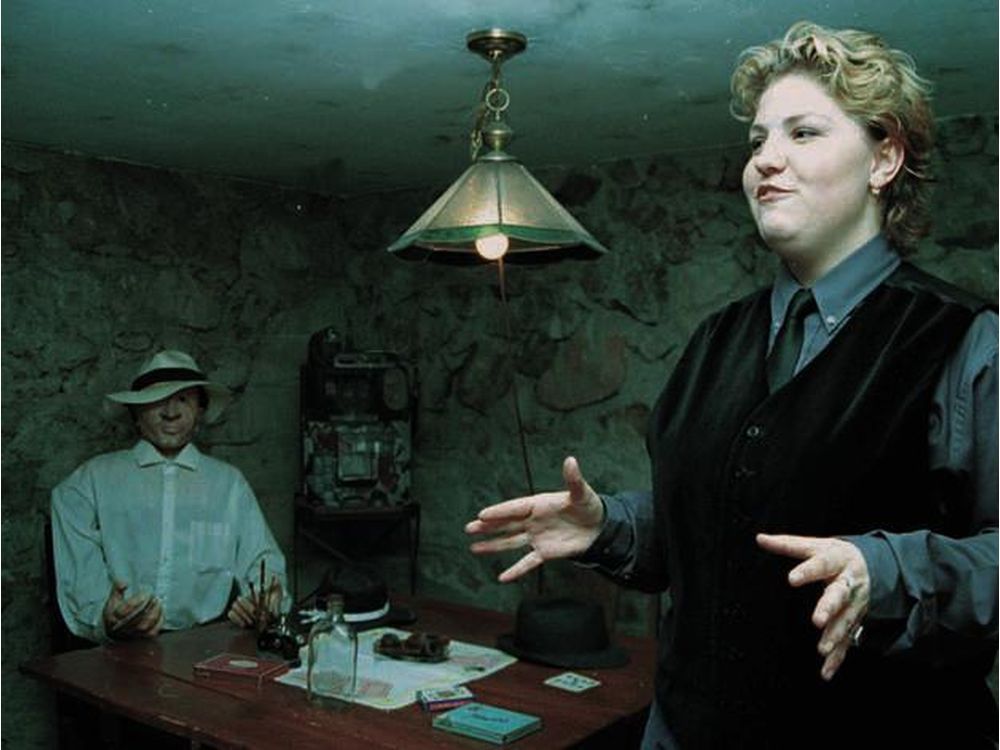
357	410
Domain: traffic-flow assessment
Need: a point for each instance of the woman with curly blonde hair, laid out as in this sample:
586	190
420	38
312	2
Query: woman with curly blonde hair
824	455
871	82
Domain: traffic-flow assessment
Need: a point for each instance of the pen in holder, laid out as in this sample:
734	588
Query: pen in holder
261	610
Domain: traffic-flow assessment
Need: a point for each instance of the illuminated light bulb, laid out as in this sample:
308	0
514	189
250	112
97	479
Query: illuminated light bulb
492	247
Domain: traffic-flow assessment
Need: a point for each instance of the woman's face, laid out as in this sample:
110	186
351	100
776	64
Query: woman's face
810	176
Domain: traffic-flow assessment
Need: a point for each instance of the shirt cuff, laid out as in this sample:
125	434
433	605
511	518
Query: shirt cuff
610	551
887	599
888	608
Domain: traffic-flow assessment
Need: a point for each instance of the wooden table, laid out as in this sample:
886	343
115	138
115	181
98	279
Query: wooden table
152	682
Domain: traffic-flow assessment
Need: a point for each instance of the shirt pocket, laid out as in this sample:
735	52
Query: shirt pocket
212	547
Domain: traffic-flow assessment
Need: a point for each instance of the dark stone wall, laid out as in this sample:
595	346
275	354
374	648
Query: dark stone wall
104	263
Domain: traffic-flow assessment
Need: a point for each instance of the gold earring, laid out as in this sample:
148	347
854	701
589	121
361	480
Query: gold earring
875	189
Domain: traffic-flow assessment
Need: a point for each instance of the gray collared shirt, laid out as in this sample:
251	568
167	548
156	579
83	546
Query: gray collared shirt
962	437
968	385
906	570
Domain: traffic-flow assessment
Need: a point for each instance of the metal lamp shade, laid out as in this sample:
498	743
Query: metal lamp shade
496	195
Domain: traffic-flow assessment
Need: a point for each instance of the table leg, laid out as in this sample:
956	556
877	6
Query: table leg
414	529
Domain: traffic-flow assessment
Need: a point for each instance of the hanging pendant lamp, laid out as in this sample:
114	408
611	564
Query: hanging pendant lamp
495	209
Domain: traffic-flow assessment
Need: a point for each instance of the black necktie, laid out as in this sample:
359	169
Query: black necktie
785	354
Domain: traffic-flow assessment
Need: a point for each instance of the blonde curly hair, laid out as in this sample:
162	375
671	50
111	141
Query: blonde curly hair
872	82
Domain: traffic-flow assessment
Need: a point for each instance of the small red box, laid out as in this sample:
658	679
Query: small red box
239	667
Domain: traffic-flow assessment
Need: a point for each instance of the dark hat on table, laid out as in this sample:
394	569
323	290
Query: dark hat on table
562	632
163	375
366	598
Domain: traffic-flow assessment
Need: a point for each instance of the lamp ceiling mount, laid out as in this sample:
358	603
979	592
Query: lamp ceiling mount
496	44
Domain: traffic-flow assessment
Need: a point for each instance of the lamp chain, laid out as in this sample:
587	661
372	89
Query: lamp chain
493	102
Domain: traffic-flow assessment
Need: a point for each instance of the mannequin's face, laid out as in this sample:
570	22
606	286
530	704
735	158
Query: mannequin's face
170	424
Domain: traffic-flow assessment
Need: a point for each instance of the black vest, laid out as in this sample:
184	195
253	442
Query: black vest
841	449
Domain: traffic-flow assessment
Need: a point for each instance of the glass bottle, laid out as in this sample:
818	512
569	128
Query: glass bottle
332	654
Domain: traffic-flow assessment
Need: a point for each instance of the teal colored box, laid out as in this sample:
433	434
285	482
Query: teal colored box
489	723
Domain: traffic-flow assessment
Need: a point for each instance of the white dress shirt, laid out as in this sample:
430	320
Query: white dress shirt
181	529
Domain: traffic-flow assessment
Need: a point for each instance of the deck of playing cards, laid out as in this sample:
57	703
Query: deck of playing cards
573	682
439	699
490	723
240	668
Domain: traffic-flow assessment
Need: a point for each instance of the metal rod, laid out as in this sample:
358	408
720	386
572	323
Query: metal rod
513	377
540	580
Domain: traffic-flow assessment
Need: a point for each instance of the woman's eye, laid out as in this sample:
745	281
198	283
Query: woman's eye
802	134
755	144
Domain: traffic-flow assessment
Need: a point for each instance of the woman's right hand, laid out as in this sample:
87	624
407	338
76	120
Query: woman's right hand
552	524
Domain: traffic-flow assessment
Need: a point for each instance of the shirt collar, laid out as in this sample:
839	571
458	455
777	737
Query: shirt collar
147	455
842	287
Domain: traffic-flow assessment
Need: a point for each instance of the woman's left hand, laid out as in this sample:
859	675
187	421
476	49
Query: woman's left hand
844	602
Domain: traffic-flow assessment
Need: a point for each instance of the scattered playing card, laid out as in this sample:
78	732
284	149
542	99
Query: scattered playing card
575	683
440	699
445	694
367	688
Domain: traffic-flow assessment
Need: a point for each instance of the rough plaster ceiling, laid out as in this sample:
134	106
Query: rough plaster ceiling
353	96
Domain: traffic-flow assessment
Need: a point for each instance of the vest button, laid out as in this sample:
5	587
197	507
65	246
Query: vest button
738	520
732	654
733	611
754	431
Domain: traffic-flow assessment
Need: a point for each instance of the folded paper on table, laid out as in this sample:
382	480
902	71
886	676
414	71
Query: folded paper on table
388	684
